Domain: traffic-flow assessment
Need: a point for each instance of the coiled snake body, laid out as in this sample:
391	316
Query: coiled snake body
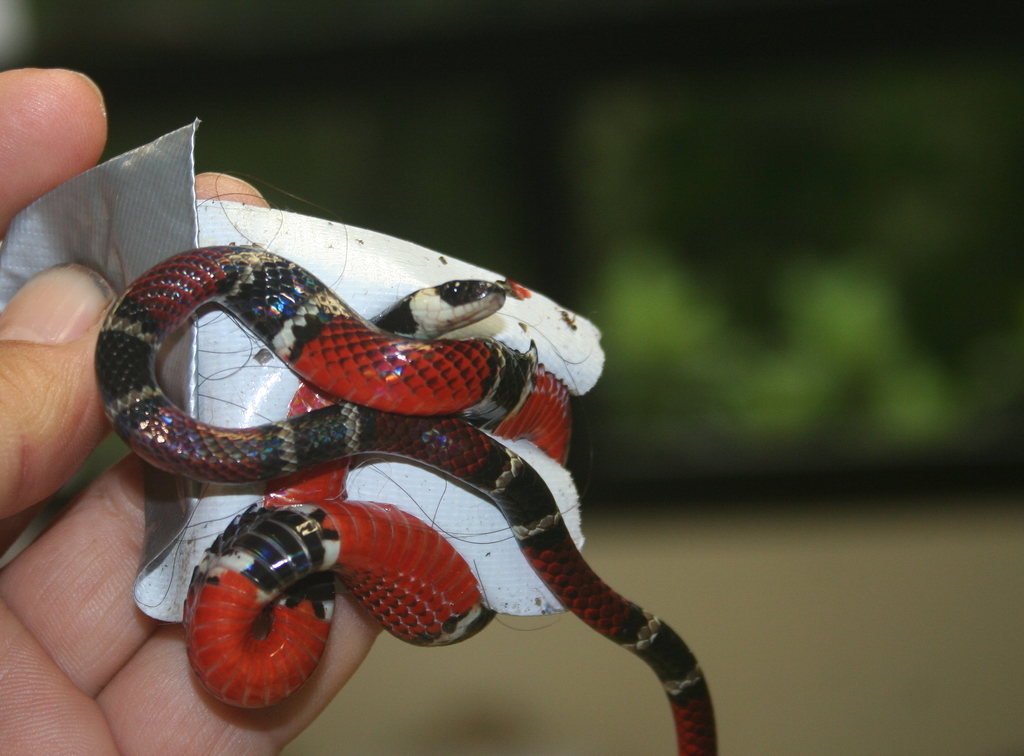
259	606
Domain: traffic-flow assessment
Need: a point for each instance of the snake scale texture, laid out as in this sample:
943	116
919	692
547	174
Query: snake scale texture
259	606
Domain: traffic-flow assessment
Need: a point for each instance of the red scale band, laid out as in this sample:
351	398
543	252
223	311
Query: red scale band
544	418
695	727
396	375
564	570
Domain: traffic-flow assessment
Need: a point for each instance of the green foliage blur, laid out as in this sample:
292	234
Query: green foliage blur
822	262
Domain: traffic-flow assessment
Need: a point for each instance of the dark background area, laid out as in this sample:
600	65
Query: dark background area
796	223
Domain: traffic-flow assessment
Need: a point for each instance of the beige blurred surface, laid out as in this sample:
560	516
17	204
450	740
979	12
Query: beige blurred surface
868	631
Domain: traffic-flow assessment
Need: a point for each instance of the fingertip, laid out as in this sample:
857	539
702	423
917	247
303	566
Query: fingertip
53	126
92	85
221	186
54	103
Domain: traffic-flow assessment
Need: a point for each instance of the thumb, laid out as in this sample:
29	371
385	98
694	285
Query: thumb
50	413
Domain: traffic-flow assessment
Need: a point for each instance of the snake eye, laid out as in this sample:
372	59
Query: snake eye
457	293
450	625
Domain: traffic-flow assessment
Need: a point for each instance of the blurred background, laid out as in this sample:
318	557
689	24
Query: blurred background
798	226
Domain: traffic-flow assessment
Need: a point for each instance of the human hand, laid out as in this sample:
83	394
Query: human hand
82	670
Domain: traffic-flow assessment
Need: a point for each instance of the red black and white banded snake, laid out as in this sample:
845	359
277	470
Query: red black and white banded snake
264	580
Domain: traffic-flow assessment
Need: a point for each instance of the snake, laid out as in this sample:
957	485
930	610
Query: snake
445	403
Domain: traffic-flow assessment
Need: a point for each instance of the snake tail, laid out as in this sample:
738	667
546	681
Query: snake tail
259	606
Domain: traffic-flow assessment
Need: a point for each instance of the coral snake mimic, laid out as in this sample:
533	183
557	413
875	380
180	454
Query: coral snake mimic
259	605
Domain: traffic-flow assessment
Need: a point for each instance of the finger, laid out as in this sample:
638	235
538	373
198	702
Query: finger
136	701
72	588
49	405
52	127
224	187
72	591
41	711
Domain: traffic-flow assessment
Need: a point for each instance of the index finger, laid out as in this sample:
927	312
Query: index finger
53	126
